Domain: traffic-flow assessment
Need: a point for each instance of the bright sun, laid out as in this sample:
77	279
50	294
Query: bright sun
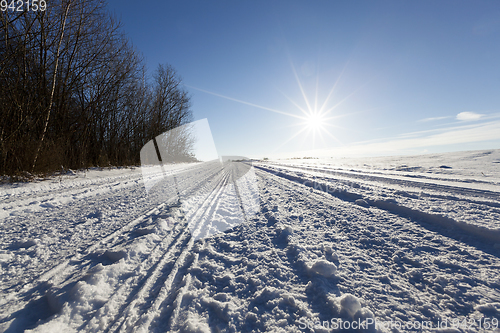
314	121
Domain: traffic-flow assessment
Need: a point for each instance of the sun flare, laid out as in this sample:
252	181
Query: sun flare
315	121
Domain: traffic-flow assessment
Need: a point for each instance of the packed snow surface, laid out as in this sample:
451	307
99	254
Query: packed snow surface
391	244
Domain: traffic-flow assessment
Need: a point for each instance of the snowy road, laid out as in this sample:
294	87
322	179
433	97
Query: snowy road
98	254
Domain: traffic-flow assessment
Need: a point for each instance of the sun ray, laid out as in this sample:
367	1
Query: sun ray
314	139
345	98
290	139
321	136
294	103
317	82
300	84
327	99
246	103
334	137
316	94
339	103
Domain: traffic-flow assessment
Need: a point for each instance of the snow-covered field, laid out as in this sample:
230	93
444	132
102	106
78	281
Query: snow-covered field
410	243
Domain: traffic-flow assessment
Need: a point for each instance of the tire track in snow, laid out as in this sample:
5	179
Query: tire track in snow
78	229
129	320
79	234
81	188
133	285
74	267
319	290
61	273
129	287
428	218
179	279
264	232
375	248
167	319
59	278
361	176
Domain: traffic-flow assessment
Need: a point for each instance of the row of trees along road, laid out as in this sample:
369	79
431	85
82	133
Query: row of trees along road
74	92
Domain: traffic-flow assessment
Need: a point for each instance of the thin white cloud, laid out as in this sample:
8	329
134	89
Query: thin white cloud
446	128
432	119
482	132
469	116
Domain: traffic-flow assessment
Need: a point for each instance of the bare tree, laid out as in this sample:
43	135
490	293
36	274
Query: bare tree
54	75
74	91
171	103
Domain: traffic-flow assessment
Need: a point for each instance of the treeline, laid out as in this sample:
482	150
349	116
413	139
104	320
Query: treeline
74	92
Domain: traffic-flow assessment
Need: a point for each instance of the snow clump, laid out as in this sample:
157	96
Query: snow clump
324	268
349	304
330	253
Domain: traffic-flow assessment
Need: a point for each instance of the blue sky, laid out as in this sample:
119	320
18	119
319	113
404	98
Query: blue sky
397	77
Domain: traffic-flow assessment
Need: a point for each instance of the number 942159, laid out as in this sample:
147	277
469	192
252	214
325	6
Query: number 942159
23	5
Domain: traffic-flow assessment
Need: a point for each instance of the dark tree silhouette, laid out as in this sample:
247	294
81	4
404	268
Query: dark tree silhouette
74	92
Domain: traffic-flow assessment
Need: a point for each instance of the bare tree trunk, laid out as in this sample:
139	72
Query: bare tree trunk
53	86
